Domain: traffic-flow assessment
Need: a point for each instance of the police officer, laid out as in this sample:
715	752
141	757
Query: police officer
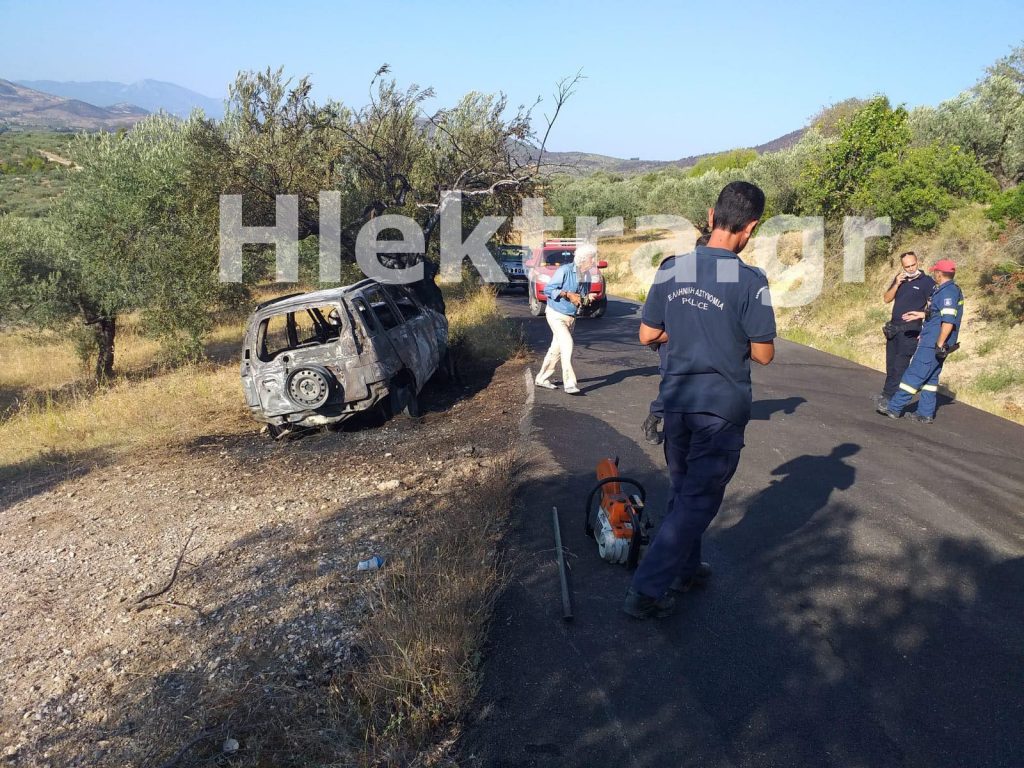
652	424
908	292
938	338
713	314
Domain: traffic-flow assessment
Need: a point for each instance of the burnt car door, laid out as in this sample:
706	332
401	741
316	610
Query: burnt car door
386	326
289	339
422	331
399	333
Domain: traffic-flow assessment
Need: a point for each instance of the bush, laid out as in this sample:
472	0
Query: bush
734	159
987	346
1008	206
919	188
602	195
873	136
1004	284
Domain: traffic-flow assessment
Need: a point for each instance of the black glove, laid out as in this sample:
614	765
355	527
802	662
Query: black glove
941	354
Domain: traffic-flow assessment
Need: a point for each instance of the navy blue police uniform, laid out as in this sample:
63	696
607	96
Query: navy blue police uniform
712	306
911	296
922	375
657	409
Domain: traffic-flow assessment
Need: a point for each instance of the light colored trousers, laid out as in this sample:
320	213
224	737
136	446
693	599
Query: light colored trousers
560	349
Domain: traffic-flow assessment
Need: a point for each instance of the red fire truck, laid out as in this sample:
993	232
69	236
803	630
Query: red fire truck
541	267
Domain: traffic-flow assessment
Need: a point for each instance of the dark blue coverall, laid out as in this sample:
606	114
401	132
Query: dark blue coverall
922	375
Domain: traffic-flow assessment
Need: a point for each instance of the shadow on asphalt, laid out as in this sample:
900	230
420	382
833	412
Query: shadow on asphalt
597	382
763	410
619	308
805	650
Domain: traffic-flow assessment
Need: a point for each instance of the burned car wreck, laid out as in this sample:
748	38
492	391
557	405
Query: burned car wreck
316	359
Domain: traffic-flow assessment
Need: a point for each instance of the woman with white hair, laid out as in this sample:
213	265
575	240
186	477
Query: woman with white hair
565	293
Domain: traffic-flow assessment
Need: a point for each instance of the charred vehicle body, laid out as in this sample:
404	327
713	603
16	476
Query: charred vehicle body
316	359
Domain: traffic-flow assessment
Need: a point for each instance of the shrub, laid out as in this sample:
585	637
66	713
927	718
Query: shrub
1008	206
1004	284
987	346
871	137
734	159
920	187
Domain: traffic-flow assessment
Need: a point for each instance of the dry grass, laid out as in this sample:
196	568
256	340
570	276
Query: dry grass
633	259
988	370
430	614
419	652
399	700
128	415
53	407
476	327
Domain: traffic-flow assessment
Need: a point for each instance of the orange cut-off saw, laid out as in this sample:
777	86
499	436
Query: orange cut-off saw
617	521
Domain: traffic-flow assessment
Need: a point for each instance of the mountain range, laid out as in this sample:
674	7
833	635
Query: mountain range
104	105
151	95
22	107
582	163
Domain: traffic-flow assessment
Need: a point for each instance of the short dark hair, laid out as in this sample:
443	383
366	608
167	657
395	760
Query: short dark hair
738	204
907	253
949	275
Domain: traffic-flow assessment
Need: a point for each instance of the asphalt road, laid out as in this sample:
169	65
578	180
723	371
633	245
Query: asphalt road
867	606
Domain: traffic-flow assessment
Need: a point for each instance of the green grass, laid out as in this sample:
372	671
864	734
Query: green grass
997	381
29	184
988	345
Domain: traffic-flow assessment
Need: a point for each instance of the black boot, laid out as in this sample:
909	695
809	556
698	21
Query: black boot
651	433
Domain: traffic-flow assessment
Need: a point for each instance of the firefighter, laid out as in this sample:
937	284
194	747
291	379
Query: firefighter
938	338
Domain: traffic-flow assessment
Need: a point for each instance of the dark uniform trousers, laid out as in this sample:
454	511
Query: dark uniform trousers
702	451
658	407
899	350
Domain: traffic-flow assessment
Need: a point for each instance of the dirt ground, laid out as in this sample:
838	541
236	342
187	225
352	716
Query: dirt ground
267	599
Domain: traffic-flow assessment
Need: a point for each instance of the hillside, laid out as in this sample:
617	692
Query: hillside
26	108
151	95
583	163
846	319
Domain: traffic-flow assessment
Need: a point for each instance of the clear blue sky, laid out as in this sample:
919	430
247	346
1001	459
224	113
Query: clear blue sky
664	80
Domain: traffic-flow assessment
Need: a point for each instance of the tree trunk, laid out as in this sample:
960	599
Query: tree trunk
105	329
427	290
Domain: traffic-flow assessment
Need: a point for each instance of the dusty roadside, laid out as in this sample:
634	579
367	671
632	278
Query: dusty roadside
251	650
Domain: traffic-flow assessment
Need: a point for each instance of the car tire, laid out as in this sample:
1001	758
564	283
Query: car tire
309	387
537	306
403	398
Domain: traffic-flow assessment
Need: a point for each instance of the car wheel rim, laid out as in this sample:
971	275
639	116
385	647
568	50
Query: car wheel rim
309	388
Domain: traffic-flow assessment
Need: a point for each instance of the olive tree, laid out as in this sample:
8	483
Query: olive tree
128	235
987	120
388	156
